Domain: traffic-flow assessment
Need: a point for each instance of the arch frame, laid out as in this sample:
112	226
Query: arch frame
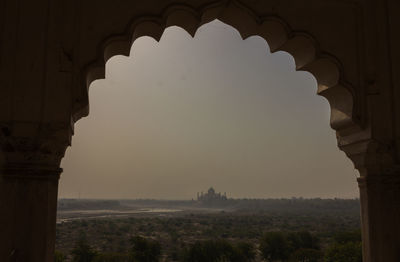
348	113
50	51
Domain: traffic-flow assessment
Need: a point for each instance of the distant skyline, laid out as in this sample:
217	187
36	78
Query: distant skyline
184	114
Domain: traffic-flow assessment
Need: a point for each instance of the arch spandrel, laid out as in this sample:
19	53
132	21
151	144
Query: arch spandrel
320	41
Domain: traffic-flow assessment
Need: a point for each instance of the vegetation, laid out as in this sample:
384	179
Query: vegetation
273	246
144	250
287	235
346	248
219	250
293	246
59	256
83	252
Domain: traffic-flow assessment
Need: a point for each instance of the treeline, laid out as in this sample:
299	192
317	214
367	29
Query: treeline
287	205
305	247
87	204
297	205
276	246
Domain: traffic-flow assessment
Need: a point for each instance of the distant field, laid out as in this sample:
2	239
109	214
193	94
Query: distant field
108	225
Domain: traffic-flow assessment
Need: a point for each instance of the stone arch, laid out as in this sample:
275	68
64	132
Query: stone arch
50	53
302	46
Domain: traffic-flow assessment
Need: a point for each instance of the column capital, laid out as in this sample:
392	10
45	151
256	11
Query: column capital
370	156
30	172
385	186
389	178
33	147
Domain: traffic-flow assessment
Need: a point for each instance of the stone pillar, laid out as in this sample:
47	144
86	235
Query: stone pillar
380	216
28	207
30	156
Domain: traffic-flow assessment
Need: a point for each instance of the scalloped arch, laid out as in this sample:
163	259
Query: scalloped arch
302	46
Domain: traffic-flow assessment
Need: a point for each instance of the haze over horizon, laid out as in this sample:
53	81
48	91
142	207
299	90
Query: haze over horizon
184	114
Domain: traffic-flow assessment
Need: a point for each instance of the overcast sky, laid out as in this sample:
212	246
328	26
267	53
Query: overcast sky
184	114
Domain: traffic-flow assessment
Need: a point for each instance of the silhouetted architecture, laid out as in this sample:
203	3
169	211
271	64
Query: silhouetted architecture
51	51
211	196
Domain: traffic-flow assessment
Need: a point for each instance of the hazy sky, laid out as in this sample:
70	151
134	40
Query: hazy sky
184	114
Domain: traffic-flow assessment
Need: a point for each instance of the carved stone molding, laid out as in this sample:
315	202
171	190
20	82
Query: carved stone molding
387	180
302	46
27	145
370	156
386	186
30	172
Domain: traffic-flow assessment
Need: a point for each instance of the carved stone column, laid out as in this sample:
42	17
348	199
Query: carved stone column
380	216
28	204
29	174
379	184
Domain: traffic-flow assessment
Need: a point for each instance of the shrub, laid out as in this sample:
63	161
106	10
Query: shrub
144	250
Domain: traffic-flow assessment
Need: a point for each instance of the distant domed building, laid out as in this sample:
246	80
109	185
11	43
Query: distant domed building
211	196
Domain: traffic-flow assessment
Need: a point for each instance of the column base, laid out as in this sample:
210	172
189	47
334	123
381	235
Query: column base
28	207
380	213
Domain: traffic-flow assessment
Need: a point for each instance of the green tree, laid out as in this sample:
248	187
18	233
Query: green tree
219	251
83	252
307	255
302	239
144	250
344	252
202	251
345	237
59	256
347	247
247	251
110	257
274	246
